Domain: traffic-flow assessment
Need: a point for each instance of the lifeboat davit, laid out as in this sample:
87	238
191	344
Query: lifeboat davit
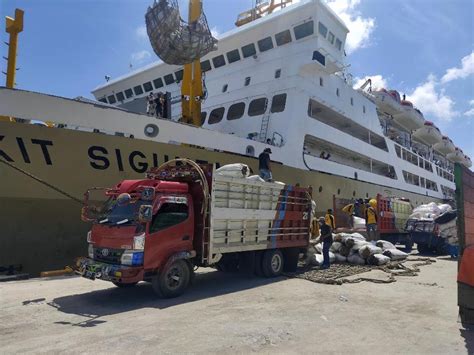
446	146
409	117
457	156
428	133
467	162
387	101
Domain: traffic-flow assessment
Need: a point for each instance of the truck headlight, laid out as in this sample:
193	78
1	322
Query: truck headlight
132	258
89	237
139	242
91	251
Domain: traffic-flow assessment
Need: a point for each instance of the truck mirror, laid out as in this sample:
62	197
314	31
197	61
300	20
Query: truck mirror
148	194
145	214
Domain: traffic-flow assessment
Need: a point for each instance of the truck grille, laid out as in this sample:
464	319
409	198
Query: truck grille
108	255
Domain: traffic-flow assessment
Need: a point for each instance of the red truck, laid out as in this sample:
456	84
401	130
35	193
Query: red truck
184	215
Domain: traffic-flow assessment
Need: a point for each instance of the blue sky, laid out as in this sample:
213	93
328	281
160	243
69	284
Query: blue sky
423	48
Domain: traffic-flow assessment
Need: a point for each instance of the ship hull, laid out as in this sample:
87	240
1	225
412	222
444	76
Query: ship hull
41	228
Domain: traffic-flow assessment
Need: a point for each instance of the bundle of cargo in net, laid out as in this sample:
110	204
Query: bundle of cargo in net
174	40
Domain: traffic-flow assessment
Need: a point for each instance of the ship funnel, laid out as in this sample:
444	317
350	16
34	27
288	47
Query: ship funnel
174	40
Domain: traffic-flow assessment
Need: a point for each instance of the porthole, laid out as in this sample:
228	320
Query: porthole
320	189
353	193
367	195
355	175
337	92
338	191
151	130
250	150
224	88
247	81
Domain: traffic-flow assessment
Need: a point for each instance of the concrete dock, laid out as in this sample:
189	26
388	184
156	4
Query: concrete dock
235	313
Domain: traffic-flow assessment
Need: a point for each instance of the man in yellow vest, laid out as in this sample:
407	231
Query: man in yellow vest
329	219
371	221
349	209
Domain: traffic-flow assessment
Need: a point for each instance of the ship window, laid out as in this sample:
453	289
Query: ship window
337	92
203	117
352	101
283	38
216	115
218	61
321	82
249	50
338	44
247	81
158	83
120	96
277	73
304	30
236	111
323	30
169	79
331	37
278	103
233	56
258	106
111	99
138	90
224	88
147	86
104	100
128	93
179	75
265	44
320	189
206	65
363	109
338	191
250	150
318	56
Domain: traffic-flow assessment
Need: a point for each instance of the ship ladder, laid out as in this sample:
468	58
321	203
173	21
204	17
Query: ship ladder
264	127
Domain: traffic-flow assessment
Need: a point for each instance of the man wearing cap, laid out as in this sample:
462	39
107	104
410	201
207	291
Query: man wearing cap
326	239
264	165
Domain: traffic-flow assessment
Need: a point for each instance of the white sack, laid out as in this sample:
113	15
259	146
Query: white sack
356	259
335	247
385	245
378	259
255	178
358	244
237	170
316	259
395	254
359	222
367	250
340	258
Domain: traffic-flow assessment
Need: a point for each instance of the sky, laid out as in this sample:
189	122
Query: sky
422	48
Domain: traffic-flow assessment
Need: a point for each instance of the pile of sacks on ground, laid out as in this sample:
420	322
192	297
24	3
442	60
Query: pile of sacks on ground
353	248
239	170
441	214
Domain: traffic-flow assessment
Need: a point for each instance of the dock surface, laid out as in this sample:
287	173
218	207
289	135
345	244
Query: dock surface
236	313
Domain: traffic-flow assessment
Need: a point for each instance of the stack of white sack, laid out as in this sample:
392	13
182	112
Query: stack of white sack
237	170
449	231
359	223
354	249
430	211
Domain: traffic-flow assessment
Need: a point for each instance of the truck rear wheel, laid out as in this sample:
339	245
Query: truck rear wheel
272	263
173	281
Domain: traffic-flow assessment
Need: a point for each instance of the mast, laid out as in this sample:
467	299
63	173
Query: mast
13	26
191	88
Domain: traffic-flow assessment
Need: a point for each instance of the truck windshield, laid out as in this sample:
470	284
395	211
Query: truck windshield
115	213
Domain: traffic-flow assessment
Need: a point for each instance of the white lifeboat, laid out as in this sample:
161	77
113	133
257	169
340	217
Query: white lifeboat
409	117
466	161
387	101
428	134
457	156
446	146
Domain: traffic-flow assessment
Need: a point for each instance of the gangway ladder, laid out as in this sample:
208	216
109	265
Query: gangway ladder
264	127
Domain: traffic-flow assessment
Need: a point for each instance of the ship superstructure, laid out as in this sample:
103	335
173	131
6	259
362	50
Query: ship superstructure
281	80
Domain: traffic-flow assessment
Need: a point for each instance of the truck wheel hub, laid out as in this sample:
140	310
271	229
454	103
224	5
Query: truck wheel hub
276	262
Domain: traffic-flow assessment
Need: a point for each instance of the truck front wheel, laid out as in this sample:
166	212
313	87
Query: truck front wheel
272	263
173	281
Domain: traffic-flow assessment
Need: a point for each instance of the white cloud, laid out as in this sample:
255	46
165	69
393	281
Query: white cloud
141	33
471	102
140	57
378	81
466	69
471	111
360	28
433	101
215	32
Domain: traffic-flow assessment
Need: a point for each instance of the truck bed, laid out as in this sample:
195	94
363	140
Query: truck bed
248	215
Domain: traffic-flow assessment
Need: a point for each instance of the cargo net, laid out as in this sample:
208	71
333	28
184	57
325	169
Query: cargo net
175	41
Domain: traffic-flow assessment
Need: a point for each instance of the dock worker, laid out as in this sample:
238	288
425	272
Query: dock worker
350	211
326	239
329	218
264	165
371	220
150	105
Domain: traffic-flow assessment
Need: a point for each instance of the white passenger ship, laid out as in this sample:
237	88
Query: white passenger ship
279	81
